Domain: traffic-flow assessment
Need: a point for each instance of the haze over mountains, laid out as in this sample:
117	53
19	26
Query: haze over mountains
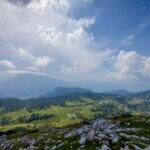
29	85
120	92
26	86
60	91
77	100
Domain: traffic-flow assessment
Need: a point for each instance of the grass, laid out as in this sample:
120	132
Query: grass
80	108
140	122
84	108
19	145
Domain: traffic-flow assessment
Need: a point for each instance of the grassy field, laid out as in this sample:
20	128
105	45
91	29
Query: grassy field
69	113
81	108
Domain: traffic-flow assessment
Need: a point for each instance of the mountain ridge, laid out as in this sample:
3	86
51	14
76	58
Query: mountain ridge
60	91
121	92
27	85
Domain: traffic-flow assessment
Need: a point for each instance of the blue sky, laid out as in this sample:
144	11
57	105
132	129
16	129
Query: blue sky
118	19
83	41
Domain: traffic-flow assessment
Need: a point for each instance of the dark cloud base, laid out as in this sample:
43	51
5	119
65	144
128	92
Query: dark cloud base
20	2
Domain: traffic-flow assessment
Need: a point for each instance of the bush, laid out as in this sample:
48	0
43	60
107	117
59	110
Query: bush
35	117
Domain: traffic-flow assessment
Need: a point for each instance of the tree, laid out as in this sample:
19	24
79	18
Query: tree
5	120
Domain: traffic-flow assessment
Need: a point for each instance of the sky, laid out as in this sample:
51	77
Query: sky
106	43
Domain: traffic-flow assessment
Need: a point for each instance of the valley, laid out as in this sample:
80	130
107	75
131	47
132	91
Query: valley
68	109
56	122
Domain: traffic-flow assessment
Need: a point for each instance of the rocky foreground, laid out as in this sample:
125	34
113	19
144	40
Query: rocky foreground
100	134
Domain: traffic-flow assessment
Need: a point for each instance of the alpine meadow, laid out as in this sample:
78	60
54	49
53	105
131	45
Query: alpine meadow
74	75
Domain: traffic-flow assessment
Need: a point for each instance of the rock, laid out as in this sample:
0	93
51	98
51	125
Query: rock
125	135
90	135
32	142
49	139
137	147
114	138
46	148
82	146
31	148
101	136
147	148
82	140
3	138
145	139
54	147
60	145
105	147
99	129
59	141
128	124
125	148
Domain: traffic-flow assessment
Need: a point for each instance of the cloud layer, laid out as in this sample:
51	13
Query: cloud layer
62	37
45	38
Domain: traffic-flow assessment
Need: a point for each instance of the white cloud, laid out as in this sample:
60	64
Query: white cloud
7	64
86	62
70	29
23	53
42	61
78	35
37	62
131	65
128	40
51	35
58	5
71	41
75	45
16	72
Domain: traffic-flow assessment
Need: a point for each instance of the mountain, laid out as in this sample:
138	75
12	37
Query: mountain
11	104
68	109
60	91
143	95
121	92
27	85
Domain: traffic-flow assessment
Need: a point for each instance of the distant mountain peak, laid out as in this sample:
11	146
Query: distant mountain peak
60	91
30	85
120	92
143	94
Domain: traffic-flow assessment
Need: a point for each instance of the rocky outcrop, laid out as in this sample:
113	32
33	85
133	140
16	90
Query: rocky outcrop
101	130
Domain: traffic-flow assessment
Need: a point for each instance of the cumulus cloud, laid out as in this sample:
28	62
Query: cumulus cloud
75	45
45	34
42	61
131	65
37	62
58	5
7	64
